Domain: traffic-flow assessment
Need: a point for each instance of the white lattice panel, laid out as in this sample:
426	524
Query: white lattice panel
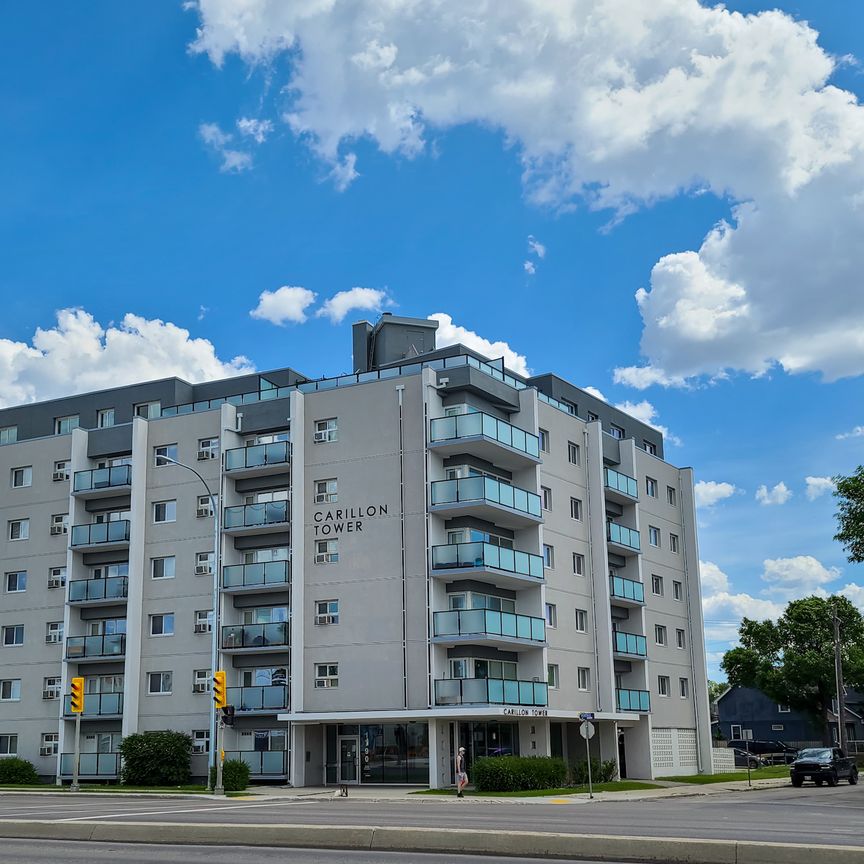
662	751
687	755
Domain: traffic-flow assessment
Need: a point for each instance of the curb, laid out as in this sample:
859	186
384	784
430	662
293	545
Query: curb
596	847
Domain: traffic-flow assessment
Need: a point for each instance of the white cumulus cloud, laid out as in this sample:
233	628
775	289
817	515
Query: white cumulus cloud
723	612
597	394
233	160
286	304
714	580
778	494
80	354
709	492
535	247
857	432
798	576
855	593
529	267
257	130
818	486
449	333
360	299
647	413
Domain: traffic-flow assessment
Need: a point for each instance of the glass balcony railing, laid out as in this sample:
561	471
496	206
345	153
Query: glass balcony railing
112	588
488	622
621	482
630	643
256	575
255	515
255	635
616	533
626	589
101	532
487	555
265	698
262	763
490	691
96	705
633	700
477	424
258	456
485	490
102	478
91	764
78	647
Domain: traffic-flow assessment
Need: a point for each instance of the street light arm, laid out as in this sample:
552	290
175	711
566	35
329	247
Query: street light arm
188	468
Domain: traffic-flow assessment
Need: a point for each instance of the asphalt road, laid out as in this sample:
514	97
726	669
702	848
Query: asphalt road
808	815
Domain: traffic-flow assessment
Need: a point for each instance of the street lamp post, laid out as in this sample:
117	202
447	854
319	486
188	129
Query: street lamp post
215	754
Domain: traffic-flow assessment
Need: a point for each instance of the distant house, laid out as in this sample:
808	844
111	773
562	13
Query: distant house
744	708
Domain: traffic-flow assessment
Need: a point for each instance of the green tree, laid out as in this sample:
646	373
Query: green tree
716	689
156	758
792	660
849	492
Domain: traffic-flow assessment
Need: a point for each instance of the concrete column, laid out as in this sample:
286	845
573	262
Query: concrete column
607	739
534	738
298	550
297	771
436	755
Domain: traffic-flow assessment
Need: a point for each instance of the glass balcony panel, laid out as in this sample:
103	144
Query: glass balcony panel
506	559
446	623
541	694
510	692
474	690
253	515
523	626
468	622
622	535
486	554
495	690
538	629
485	488
443	491
447	691
272	762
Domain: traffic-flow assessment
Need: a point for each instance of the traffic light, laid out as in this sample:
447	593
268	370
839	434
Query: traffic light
77	697
228	715
220	690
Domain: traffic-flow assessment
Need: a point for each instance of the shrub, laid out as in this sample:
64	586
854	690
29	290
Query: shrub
517	773
18	771
235	775
156	758
601	772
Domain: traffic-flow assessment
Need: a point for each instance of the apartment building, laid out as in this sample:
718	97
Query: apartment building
430	552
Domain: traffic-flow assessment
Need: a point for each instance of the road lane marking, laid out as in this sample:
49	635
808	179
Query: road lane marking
214	808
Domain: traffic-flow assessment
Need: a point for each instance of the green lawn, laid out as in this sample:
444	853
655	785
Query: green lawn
768	772
623	786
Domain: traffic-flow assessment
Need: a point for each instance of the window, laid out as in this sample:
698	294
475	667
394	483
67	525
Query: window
544	440
548	556
616	431
49	744
13	634
326	491
545	497
677	590
64	425
552	678
105	418
59	524
204	507
202	681
203	621
578	563
660	634
574	453
650	487
657	585
54	632
663	685
204	563
8	434
200	740
326	611
162	624
147	410
163	568
158	683
680	639
326	551
8	745
19	529
163	453
208	448
326	675
164	511
581	621
551	615
326	431
592	417
653	536
51	687
16	582
683	688
650	449
583	678
783	709
576	509
61	470
56	577
735	732
10	690
22	477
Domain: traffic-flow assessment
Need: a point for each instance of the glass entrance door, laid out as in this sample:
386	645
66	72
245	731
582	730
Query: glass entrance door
348	767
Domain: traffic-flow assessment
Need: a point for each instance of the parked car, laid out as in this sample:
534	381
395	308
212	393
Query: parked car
823	765
778	751
743	758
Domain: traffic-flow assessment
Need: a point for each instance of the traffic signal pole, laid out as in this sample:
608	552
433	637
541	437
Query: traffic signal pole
74	787
220	700
219	788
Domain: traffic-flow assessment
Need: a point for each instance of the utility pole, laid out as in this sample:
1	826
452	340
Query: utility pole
841	698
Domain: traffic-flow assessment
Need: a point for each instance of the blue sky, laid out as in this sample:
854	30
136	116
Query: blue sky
115	203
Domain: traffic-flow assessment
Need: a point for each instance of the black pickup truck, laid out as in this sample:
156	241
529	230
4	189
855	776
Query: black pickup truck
823	764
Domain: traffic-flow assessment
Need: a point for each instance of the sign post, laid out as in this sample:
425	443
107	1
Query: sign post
586	730
748	737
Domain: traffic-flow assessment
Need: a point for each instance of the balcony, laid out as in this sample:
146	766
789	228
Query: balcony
490	691
626	592
253	638
623	540
630	644
256	578
101	706
633	700
506	568
487	498
620	488
101	535
488	627
87	649
262	763
99	592
104	766
486	437
102	482
257	518
259	700
258	460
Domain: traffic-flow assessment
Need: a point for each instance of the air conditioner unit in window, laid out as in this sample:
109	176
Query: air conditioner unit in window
55	582
50	694
203	570
326	557
201	686
199	748
202	627
47	751
321	437
60	476
326	619
52	638
57	529
203	511
205	454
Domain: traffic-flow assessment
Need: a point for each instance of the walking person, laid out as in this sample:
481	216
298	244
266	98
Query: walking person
461	773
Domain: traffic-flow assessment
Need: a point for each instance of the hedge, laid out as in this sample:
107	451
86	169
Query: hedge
18	771
601	772
517	773
156	758
235	776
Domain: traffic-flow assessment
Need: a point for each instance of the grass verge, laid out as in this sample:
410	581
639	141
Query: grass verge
87	787
769	772
622	786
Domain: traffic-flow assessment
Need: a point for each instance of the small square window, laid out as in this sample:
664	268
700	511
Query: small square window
581	621
783	709
164	455
650	448
548	556
327	612
56	577
19	529
659	634
8	745
208	448
650	487
657	585
204	507
202	681
551	615
671	496
203	621
576	509
683	688
544	440
16	582
326	431
616	431
22	477
51	687
204	563
10	690
13	635
574	453
59	524
159	683
663	685
61	471
653	536
164	511
578	563
326	491
673	543
162	624
545	497
680	639
8	434
677	590
326	551
552	677
49	744
65	425
148	410
164	568
200	740
105	418
326	675
583	678
54	632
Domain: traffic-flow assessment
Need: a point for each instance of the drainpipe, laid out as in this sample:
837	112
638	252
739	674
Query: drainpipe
400	390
